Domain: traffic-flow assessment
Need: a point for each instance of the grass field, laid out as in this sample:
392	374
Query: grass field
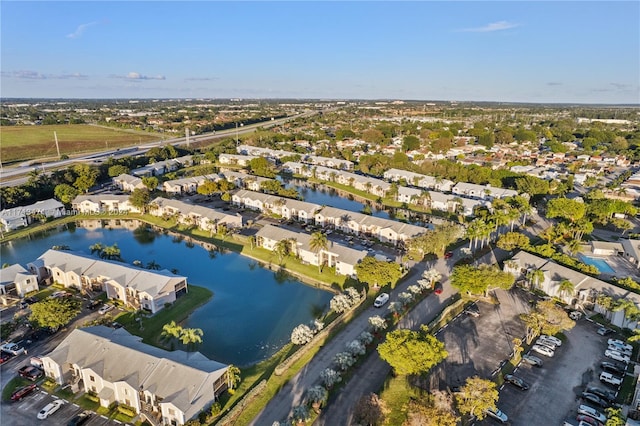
19	143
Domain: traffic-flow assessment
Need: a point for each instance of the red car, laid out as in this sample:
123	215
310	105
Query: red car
448	255
4	357
437	288
22	392
589	420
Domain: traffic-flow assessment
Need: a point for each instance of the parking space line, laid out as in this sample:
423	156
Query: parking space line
76	405
104	417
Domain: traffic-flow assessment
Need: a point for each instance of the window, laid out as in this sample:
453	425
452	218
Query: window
172	412
57	273
28	280
126	392
93	379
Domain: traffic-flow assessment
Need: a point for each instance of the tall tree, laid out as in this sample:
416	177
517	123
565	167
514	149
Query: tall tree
412	352
190	337
318	244
477	396
140	198
54	313
86	177
65	193
375	272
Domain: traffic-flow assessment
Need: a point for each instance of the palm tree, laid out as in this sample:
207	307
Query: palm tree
153	265
233	376
281	248
566	288
574	247
191	337
318	243
170	332
535	277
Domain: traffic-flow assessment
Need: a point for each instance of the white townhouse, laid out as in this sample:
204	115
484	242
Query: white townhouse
273	154
187	185
343	258
128	183
408	195
161	167
364	183
17	217
135	287
288	208
17	280
236	159
164	387
385	230
451	203
334	163
203	217
103	203
585	288
484	192
419	180
308	170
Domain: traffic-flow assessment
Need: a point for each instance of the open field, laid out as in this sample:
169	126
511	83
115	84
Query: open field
29	142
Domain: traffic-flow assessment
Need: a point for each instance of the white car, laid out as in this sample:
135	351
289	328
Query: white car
620	349
105	309
13	349
547	343
616	355
381	300
610	379
554	340
592	412
620	344
543	350
498	415
49	409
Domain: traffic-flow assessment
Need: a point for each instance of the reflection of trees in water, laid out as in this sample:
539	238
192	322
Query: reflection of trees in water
281	276
71	227
253	265
177	239
144	234
316	310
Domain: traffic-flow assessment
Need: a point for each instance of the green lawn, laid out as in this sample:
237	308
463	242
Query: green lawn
12	385
29	142
178	312
397	392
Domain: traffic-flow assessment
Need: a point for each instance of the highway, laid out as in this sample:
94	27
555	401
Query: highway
17	175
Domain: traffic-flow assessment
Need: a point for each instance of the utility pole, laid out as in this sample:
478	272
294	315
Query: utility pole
236	134
55	135
186	134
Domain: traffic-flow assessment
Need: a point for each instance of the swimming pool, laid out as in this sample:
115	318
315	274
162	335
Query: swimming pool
601	264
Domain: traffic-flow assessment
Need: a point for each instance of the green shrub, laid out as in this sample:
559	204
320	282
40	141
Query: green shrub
92	398
126	410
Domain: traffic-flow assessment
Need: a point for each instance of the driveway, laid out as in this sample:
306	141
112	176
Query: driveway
556	387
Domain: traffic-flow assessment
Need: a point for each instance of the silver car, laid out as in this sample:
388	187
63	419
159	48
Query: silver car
543	350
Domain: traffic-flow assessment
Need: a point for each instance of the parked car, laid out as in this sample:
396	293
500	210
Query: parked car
548	344
381	300
610	379
594	399
437	288
30	372
22	392
612	368
30	300
533	360
448	255
105	309
80	419
5	356
498	415
473	311
620	344
50	408
516	381
617	355
604	331
543	350
587	420
554	340
592	412
575	315
93	304
12	348
620	349
605	394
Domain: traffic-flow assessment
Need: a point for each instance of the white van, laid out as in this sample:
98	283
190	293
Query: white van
381	300
610	379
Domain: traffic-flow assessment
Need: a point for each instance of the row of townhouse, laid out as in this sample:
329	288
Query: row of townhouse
236	159
203	217
18	217
190	185
385	230
438	201
586	288
103	203
135	287
165	388
343	258
161	167
314	160
462	189
368	184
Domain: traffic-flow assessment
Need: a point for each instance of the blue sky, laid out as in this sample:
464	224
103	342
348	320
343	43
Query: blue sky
586	52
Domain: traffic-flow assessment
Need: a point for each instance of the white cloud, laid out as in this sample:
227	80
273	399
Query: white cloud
494	26
136	76
81	29
35	75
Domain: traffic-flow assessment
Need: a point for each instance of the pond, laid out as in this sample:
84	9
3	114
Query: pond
253	309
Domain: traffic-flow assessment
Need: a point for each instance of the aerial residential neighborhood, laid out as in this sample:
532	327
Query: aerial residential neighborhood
320	213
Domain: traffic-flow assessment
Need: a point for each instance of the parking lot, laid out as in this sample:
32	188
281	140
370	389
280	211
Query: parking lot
24	412
478	345
555	388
